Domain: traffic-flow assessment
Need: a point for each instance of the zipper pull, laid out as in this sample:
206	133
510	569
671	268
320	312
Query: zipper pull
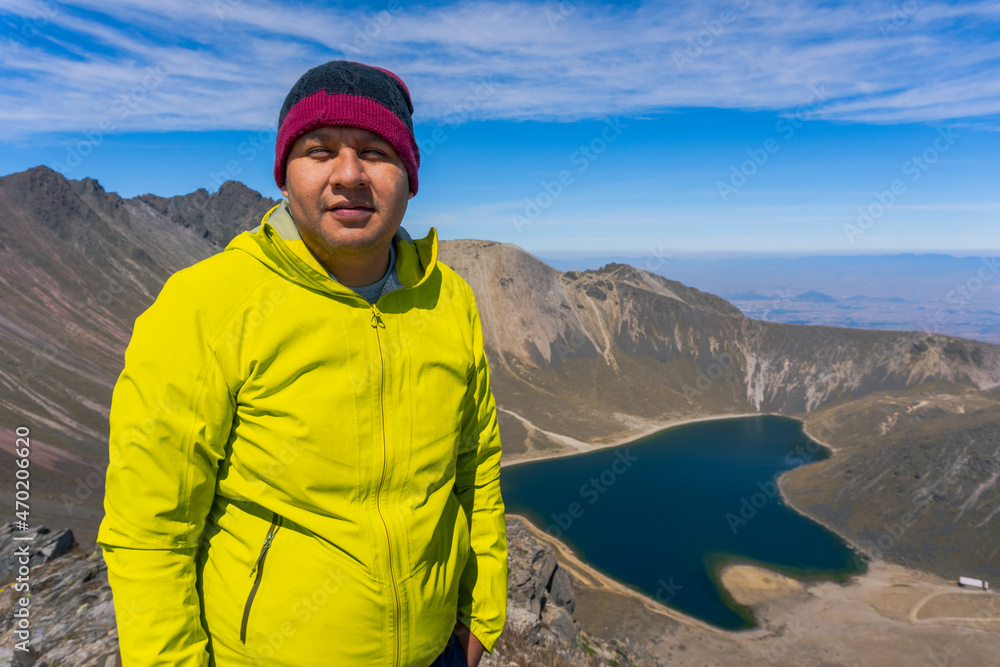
377	317
263	550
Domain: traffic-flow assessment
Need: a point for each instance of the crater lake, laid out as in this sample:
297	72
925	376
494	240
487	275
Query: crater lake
665	513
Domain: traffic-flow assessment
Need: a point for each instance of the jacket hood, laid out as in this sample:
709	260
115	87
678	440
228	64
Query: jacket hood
276	243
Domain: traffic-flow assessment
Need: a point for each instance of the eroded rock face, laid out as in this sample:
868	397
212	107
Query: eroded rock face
540	602
536	583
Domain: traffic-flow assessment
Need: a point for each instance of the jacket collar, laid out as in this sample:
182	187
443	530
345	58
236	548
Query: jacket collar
276	243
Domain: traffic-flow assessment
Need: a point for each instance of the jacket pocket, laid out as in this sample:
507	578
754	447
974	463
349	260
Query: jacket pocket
258	568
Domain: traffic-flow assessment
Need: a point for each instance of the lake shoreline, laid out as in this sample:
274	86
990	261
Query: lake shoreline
788	501
578	566
667	425
633	437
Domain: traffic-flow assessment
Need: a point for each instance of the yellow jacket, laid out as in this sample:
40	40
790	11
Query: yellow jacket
297	477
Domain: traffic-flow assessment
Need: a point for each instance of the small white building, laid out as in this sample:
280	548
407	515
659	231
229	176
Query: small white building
974	583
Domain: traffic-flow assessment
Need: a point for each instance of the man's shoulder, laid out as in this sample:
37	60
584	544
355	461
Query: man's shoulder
453	279
458	287
217	284
230	266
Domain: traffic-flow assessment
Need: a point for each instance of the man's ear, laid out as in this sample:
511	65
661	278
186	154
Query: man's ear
411	195
284	192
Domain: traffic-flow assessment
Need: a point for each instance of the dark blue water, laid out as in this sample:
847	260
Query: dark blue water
664	514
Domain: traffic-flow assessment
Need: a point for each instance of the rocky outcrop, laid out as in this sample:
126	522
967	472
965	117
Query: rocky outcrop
540	625
541	593
19	549
71	617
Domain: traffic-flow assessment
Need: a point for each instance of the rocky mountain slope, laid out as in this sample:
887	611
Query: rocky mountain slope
602	354
672	351
77	265
579	359
914	480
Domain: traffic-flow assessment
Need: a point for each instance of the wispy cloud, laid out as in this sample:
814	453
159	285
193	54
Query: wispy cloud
227	64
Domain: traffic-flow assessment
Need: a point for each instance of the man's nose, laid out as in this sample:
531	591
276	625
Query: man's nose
348	170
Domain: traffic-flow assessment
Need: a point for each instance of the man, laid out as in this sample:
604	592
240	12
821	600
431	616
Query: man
304	447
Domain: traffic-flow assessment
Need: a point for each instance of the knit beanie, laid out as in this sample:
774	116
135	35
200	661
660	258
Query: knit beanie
342	92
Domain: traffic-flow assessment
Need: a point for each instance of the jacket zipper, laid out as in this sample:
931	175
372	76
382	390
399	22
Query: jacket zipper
377	323
258	567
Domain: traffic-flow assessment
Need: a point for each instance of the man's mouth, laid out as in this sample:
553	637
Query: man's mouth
353	209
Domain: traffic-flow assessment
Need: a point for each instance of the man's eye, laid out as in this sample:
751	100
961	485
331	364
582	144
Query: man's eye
373	151
318	150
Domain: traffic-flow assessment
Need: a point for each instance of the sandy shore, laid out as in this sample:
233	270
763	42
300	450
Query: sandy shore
627	437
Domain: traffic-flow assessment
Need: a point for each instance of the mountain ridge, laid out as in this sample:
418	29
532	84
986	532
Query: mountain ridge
576	357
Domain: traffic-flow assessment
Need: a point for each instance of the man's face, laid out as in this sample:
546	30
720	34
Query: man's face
347	190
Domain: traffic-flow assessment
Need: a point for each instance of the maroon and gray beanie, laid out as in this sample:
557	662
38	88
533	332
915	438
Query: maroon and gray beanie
348	93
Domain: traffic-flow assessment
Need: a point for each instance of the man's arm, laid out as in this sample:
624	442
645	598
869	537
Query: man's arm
171	414
482	597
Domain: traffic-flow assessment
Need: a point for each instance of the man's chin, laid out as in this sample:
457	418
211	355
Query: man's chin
358	241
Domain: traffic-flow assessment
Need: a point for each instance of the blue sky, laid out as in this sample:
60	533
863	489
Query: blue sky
568	128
